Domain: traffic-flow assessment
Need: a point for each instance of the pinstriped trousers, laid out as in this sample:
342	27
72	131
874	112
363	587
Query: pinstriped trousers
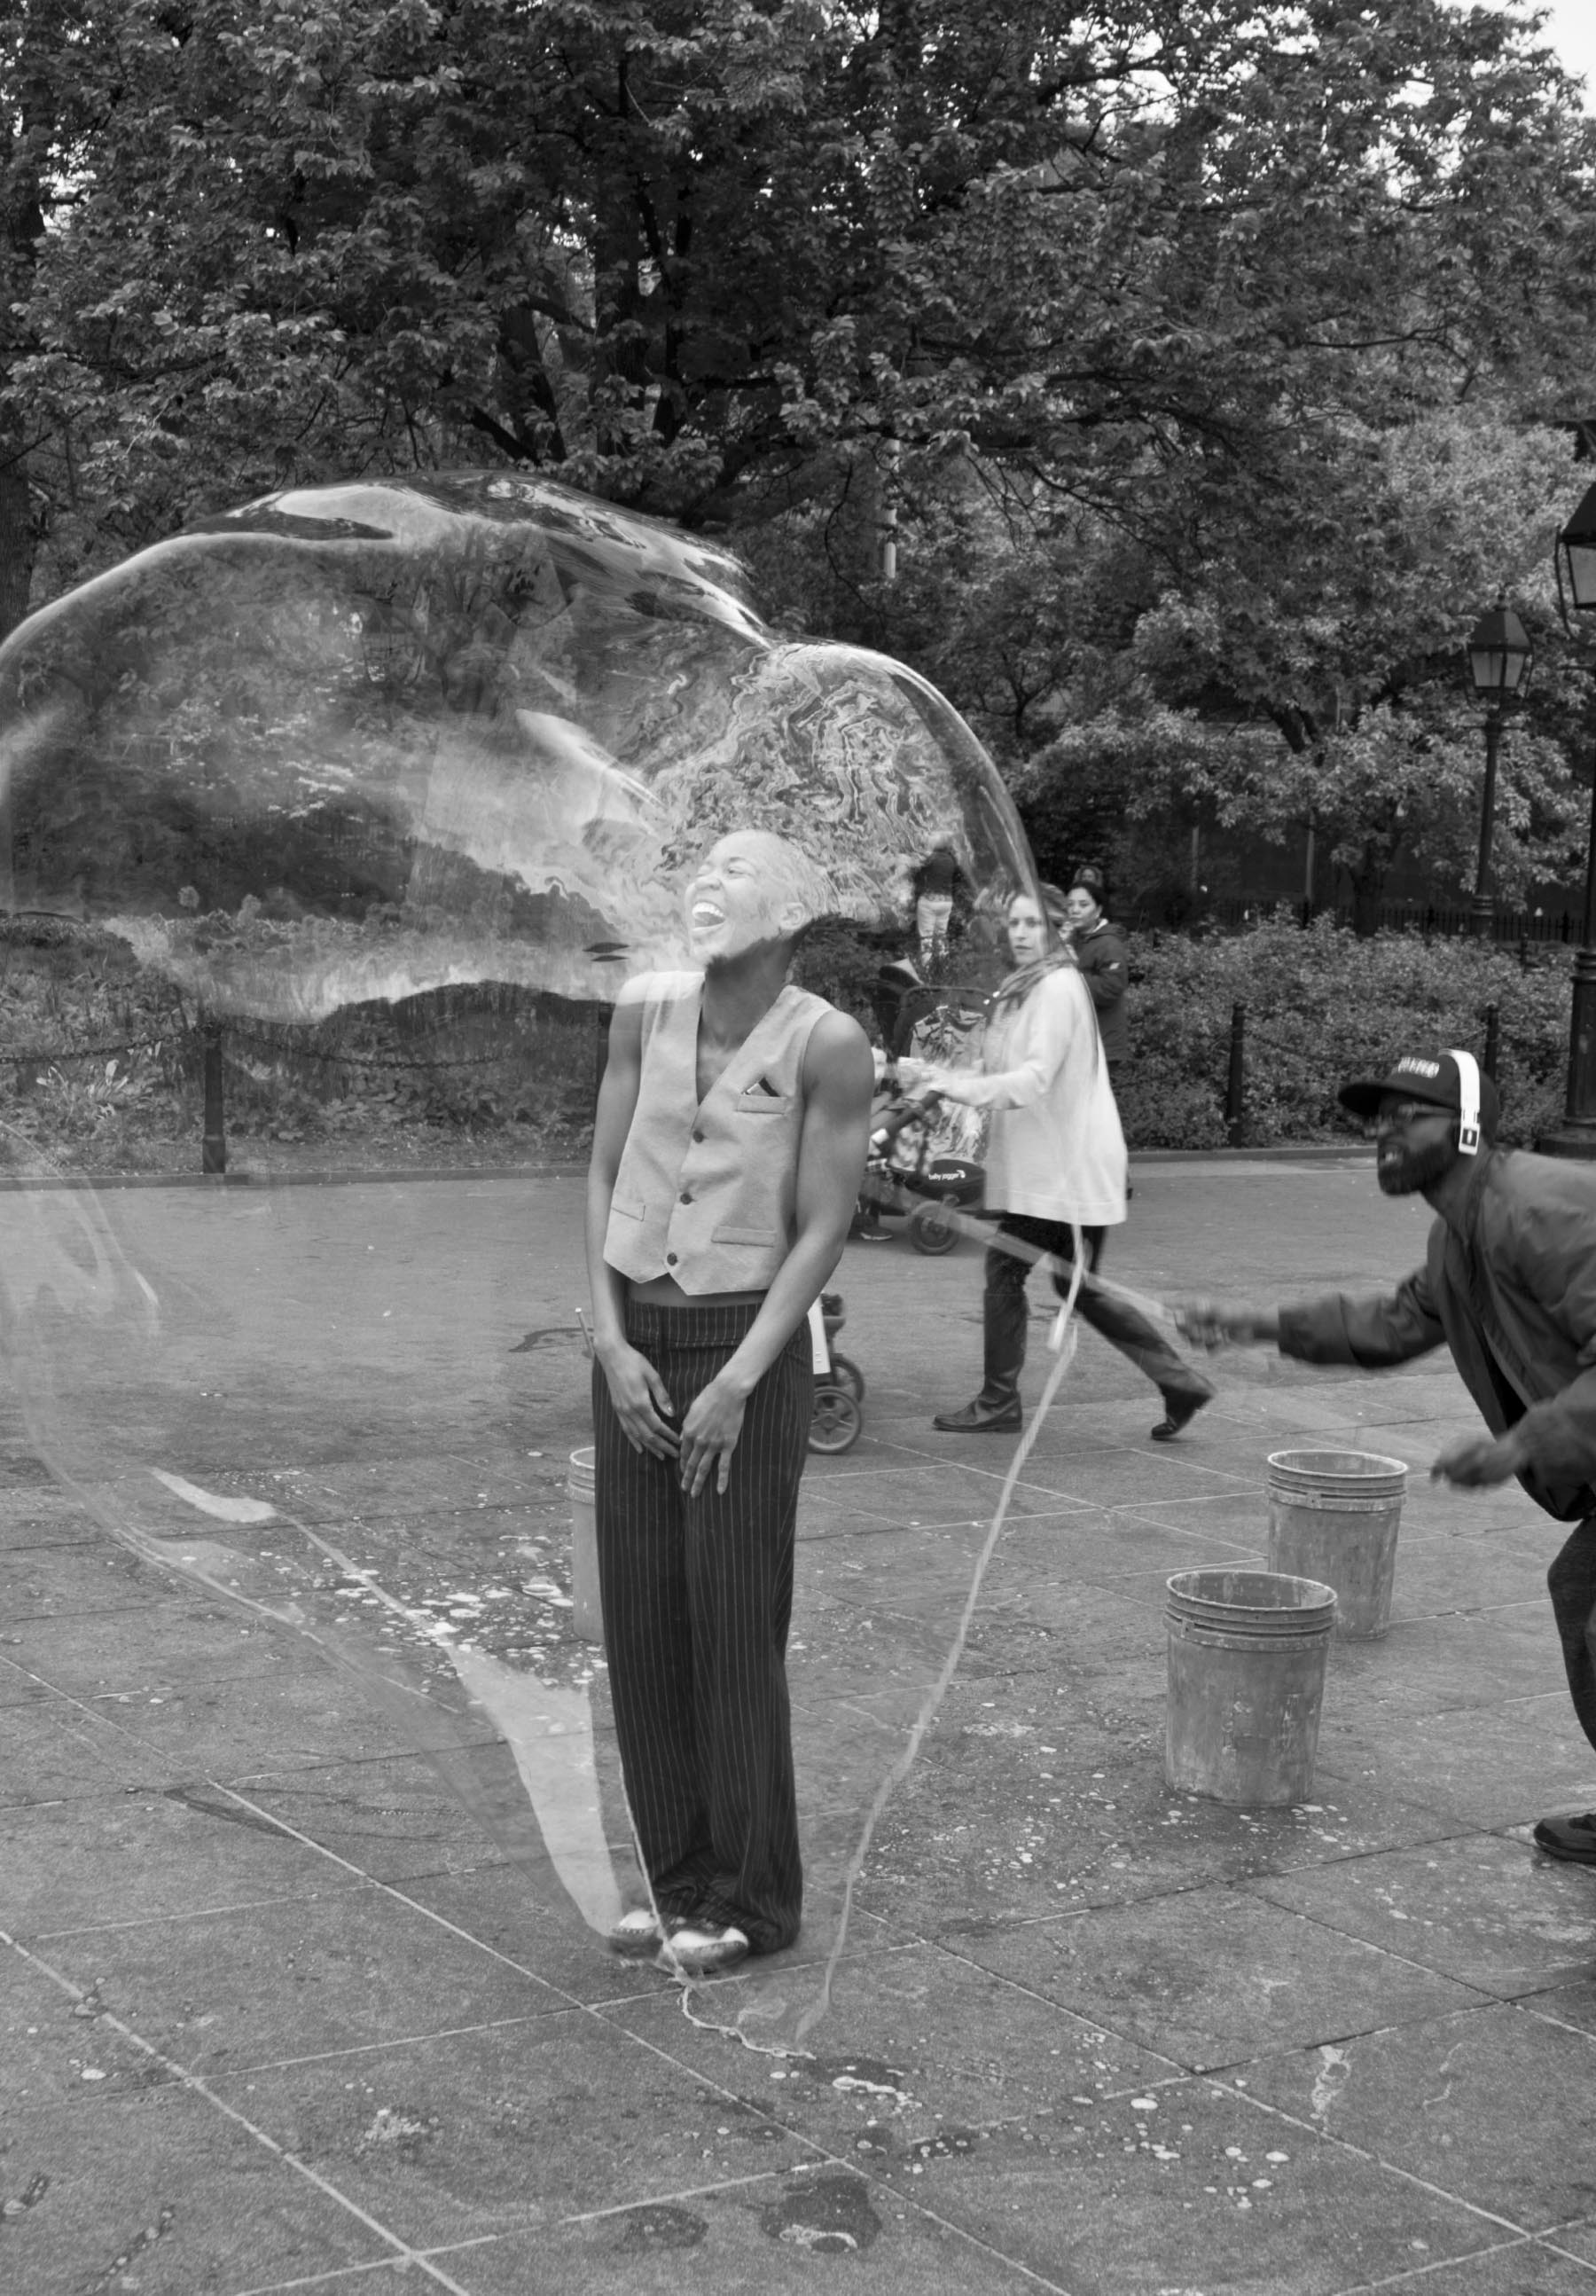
696	1596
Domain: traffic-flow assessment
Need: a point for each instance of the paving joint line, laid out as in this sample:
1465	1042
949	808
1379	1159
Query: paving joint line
341	2272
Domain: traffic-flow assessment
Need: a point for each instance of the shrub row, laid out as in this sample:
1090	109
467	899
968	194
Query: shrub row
1321	1005
1324	1006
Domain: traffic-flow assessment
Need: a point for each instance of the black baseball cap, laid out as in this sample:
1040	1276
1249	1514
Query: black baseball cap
1430	1076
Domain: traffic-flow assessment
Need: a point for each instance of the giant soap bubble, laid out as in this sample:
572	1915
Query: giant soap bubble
397	780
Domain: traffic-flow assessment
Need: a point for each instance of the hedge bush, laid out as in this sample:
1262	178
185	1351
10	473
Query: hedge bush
1322	1006
113	1080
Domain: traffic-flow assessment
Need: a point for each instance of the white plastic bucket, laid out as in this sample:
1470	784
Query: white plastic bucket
1247	1657
1333	1516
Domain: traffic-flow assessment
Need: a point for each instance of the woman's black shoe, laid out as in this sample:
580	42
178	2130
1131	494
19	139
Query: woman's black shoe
978	1418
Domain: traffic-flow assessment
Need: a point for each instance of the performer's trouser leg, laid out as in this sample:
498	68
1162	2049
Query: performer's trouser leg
1572	1581
697	1595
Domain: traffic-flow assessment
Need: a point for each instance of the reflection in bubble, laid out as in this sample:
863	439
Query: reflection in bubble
383	790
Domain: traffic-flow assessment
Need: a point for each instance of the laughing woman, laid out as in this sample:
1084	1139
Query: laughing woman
1055	1161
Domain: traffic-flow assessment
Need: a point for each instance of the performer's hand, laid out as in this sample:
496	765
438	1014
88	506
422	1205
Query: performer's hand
1207	1323
709	1434
642	1401
1477	1461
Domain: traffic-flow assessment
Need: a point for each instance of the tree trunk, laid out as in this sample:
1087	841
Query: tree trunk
17	547
1367	885
18	543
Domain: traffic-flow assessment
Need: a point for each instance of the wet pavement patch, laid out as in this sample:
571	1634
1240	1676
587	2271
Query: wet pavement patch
212	1805
831	2216
660	2224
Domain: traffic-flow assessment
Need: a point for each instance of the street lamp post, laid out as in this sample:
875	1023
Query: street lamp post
1500	659
1576	1134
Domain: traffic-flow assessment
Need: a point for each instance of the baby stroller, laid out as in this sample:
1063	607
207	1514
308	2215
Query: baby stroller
912	1169
839	1387
925	1156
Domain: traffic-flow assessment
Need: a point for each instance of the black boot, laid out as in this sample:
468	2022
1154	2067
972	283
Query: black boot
995	1411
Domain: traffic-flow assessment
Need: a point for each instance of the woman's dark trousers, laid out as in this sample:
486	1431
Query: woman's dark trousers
1137	1338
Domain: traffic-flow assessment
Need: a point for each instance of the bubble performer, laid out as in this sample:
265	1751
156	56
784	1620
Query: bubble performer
1508	1284
1055	1158
728	1150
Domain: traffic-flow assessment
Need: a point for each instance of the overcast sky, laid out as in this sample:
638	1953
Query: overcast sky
1571	25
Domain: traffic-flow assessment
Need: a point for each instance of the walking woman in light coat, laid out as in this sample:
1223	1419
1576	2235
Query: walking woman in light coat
1055	1161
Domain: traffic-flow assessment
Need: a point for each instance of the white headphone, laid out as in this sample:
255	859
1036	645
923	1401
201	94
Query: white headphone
1468	1103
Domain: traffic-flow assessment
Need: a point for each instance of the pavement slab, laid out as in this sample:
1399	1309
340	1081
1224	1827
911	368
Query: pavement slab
1489	1912
508	2125
1472	2103
289	1992
58	1750
168	2196
146	1854
1492	1767
771	2233
385	1816
284	1978
1215	1975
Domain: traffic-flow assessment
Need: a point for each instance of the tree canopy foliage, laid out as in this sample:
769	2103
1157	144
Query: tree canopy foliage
1147	323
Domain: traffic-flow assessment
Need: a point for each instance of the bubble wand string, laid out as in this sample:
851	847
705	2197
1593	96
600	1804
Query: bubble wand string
1061	1339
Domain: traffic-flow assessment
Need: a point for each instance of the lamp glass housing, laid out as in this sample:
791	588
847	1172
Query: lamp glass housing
1500	655
1576	557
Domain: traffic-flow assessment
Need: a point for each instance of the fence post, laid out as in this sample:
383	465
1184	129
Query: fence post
213	1151
603	1015
1235	1082
1489	1062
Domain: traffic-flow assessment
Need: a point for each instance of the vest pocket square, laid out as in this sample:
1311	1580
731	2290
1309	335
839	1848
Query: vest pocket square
761	1099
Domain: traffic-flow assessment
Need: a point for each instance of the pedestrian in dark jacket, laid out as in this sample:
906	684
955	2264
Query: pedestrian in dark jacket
1508	1284
1100	952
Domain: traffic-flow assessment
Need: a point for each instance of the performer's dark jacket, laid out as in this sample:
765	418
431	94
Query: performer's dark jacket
1514	1296
1101	955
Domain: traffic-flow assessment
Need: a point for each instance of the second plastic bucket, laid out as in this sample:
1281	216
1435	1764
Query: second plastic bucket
586	1614
1333	1516
1247	1655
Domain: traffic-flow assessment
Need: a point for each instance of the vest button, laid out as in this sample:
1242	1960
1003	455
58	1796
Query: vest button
670	1258
686	1197
697	1136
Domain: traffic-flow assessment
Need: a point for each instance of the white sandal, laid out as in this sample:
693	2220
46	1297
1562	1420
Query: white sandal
636	1934
694	1952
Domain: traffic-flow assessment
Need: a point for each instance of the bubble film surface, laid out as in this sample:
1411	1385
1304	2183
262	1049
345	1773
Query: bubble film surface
350	812
361	741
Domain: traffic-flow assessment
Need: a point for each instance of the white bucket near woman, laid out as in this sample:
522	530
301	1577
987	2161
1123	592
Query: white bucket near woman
1246	1659
1333	1516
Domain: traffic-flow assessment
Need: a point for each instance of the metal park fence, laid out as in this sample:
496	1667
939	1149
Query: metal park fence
1530	930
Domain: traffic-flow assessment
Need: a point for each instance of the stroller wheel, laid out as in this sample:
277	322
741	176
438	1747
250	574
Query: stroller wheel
846	1374
932	1230
838	1420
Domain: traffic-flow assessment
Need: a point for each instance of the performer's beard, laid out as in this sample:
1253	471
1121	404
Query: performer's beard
1408	1171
